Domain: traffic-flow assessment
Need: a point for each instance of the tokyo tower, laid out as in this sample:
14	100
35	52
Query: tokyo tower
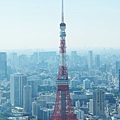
63	109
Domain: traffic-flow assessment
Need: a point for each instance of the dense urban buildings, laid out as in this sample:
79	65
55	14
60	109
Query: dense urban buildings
31	89
3	65
40	84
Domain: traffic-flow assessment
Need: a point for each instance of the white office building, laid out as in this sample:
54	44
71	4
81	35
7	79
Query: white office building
27	104
80	114
17	82
86	84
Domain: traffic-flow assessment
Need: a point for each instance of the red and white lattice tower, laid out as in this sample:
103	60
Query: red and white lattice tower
63	109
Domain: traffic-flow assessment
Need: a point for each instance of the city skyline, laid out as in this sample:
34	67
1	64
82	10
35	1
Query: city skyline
35	24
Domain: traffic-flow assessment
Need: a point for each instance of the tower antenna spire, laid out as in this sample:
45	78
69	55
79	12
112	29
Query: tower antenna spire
62	12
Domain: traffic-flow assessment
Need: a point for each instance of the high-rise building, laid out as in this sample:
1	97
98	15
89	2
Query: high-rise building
34	58
77	104
17	82
98	102
33	83
47	114
119	81
79	114
27	103
86	84
13	60
73	55
35	107
43	56
117	66
3	65
90	59
63	109
91	106
23	60
97	61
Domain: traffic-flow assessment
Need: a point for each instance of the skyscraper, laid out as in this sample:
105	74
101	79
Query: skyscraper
63	109
98	102
17	82
119	81
90	59
27	104
73	55
86	84
33	83
34	58
117	66
13	60
97	61
3	65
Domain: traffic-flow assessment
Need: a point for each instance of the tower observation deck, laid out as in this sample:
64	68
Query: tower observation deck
63	109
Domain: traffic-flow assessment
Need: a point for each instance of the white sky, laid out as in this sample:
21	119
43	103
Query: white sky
35	23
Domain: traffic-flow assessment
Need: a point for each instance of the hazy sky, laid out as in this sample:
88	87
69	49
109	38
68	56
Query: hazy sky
35	23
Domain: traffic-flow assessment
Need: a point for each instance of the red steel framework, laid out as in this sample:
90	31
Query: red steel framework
63	109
